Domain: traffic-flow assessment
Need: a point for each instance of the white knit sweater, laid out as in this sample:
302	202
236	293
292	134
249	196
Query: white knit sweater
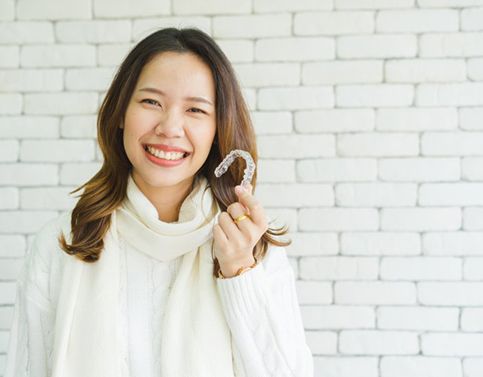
268	337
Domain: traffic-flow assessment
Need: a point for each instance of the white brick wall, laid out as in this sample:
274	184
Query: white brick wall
369	116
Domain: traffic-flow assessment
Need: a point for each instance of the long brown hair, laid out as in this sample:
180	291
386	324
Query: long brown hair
105	191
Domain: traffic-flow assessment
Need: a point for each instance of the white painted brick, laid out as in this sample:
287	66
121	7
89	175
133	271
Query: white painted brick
142	27
453	243
28	174
288	146
282	216
451	45
250	97
420	219
238	50
374	95
79	126
338	219
377	46
416	119
8	198
64	103
473	268
313	292
419	169
337	170
447	194
9	150
98	31
300	98
417	318
451	344
339	317
53	9
77	173
262	6
294	49
310	244
475	70
29	127
272	122
334	120
31	80
296	195
112	54
347	366
471	318
450	293
372	144
211	7
276	171
448	3
471	168
417	21
425	70
24	221
403	366
380	243
375	293
9	270
268	74
9	56
339	268
471	19
473	218
7	292
471	118
54	198
473	366
66	55
333	23
10	104
460	94
22	32
375	194
373	4
57	150
421	268
322	342
12	246
7	13
126	8
452	143
371	342
252	26
88	79
342	72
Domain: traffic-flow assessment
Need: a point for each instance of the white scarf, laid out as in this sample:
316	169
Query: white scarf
196	340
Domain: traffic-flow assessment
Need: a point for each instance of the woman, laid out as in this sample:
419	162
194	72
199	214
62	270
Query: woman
162	269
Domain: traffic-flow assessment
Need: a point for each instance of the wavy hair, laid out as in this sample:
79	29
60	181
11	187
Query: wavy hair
106	190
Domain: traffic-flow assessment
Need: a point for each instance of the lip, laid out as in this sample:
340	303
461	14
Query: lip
162	162
166	148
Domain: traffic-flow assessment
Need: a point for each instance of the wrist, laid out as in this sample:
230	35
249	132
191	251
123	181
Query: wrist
234	269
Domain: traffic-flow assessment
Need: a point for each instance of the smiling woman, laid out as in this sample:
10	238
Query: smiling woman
126	284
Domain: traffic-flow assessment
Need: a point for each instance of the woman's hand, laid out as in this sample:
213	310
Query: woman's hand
234	242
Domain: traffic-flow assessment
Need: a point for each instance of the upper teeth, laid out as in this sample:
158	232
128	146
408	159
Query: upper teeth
166	155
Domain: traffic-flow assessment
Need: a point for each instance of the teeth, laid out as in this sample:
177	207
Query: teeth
165	155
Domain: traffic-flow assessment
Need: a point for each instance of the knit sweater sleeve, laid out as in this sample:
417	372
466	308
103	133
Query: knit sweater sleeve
31	333
262	310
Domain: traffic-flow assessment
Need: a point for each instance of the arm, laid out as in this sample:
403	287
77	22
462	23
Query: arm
262	311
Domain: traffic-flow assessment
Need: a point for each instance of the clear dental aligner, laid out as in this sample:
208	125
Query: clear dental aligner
228	160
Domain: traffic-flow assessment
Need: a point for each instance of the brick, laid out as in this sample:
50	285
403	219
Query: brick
403	366
10	268
371	342
238	51
53	9
377	46
333	23
472	268
25	32
471	118
373	4
79	126
66	55
77	173
272	122
262	6
129	9
28	174
57	150
425	70
267	74
339	317
471	169
339	268
9	56
322	342
378	144
347	366
417	318
300	98
294	49
29	127
471	19
420	268
376	194
7	292
288	146
457	94
55	198
416	119
7	10
296	195
65	103
420	219
452	344
452	243
252	26
417	21
12	246
472	366
451	45
446	194
97	31
475	70
448	3
10	104
450	293
9	150
342	72
471	318
112	54
31	80
374	95
311	244
334	120
210	7
337	170
24	221
88	79
419	169
452	144
276	171
8	198
314	293
375	293
142	27
380	243
338	219
472	218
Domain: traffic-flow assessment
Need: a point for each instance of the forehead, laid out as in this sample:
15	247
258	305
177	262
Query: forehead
178	74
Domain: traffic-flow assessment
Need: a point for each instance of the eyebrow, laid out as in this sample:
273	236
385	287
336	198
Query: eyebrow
160	92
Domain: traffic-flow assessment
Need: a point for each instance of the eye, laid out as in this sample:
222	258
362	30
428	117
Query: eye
149	99
199	110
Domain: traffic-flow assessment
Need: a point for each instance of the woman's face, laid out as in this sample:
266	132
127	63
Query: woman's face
182	116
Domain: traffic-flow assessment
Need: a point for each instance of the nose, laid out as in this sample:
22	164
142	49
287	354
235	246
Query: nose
170	125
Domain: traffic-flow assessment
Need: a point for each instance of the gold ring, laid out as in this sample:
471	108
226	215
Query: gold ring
240	218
